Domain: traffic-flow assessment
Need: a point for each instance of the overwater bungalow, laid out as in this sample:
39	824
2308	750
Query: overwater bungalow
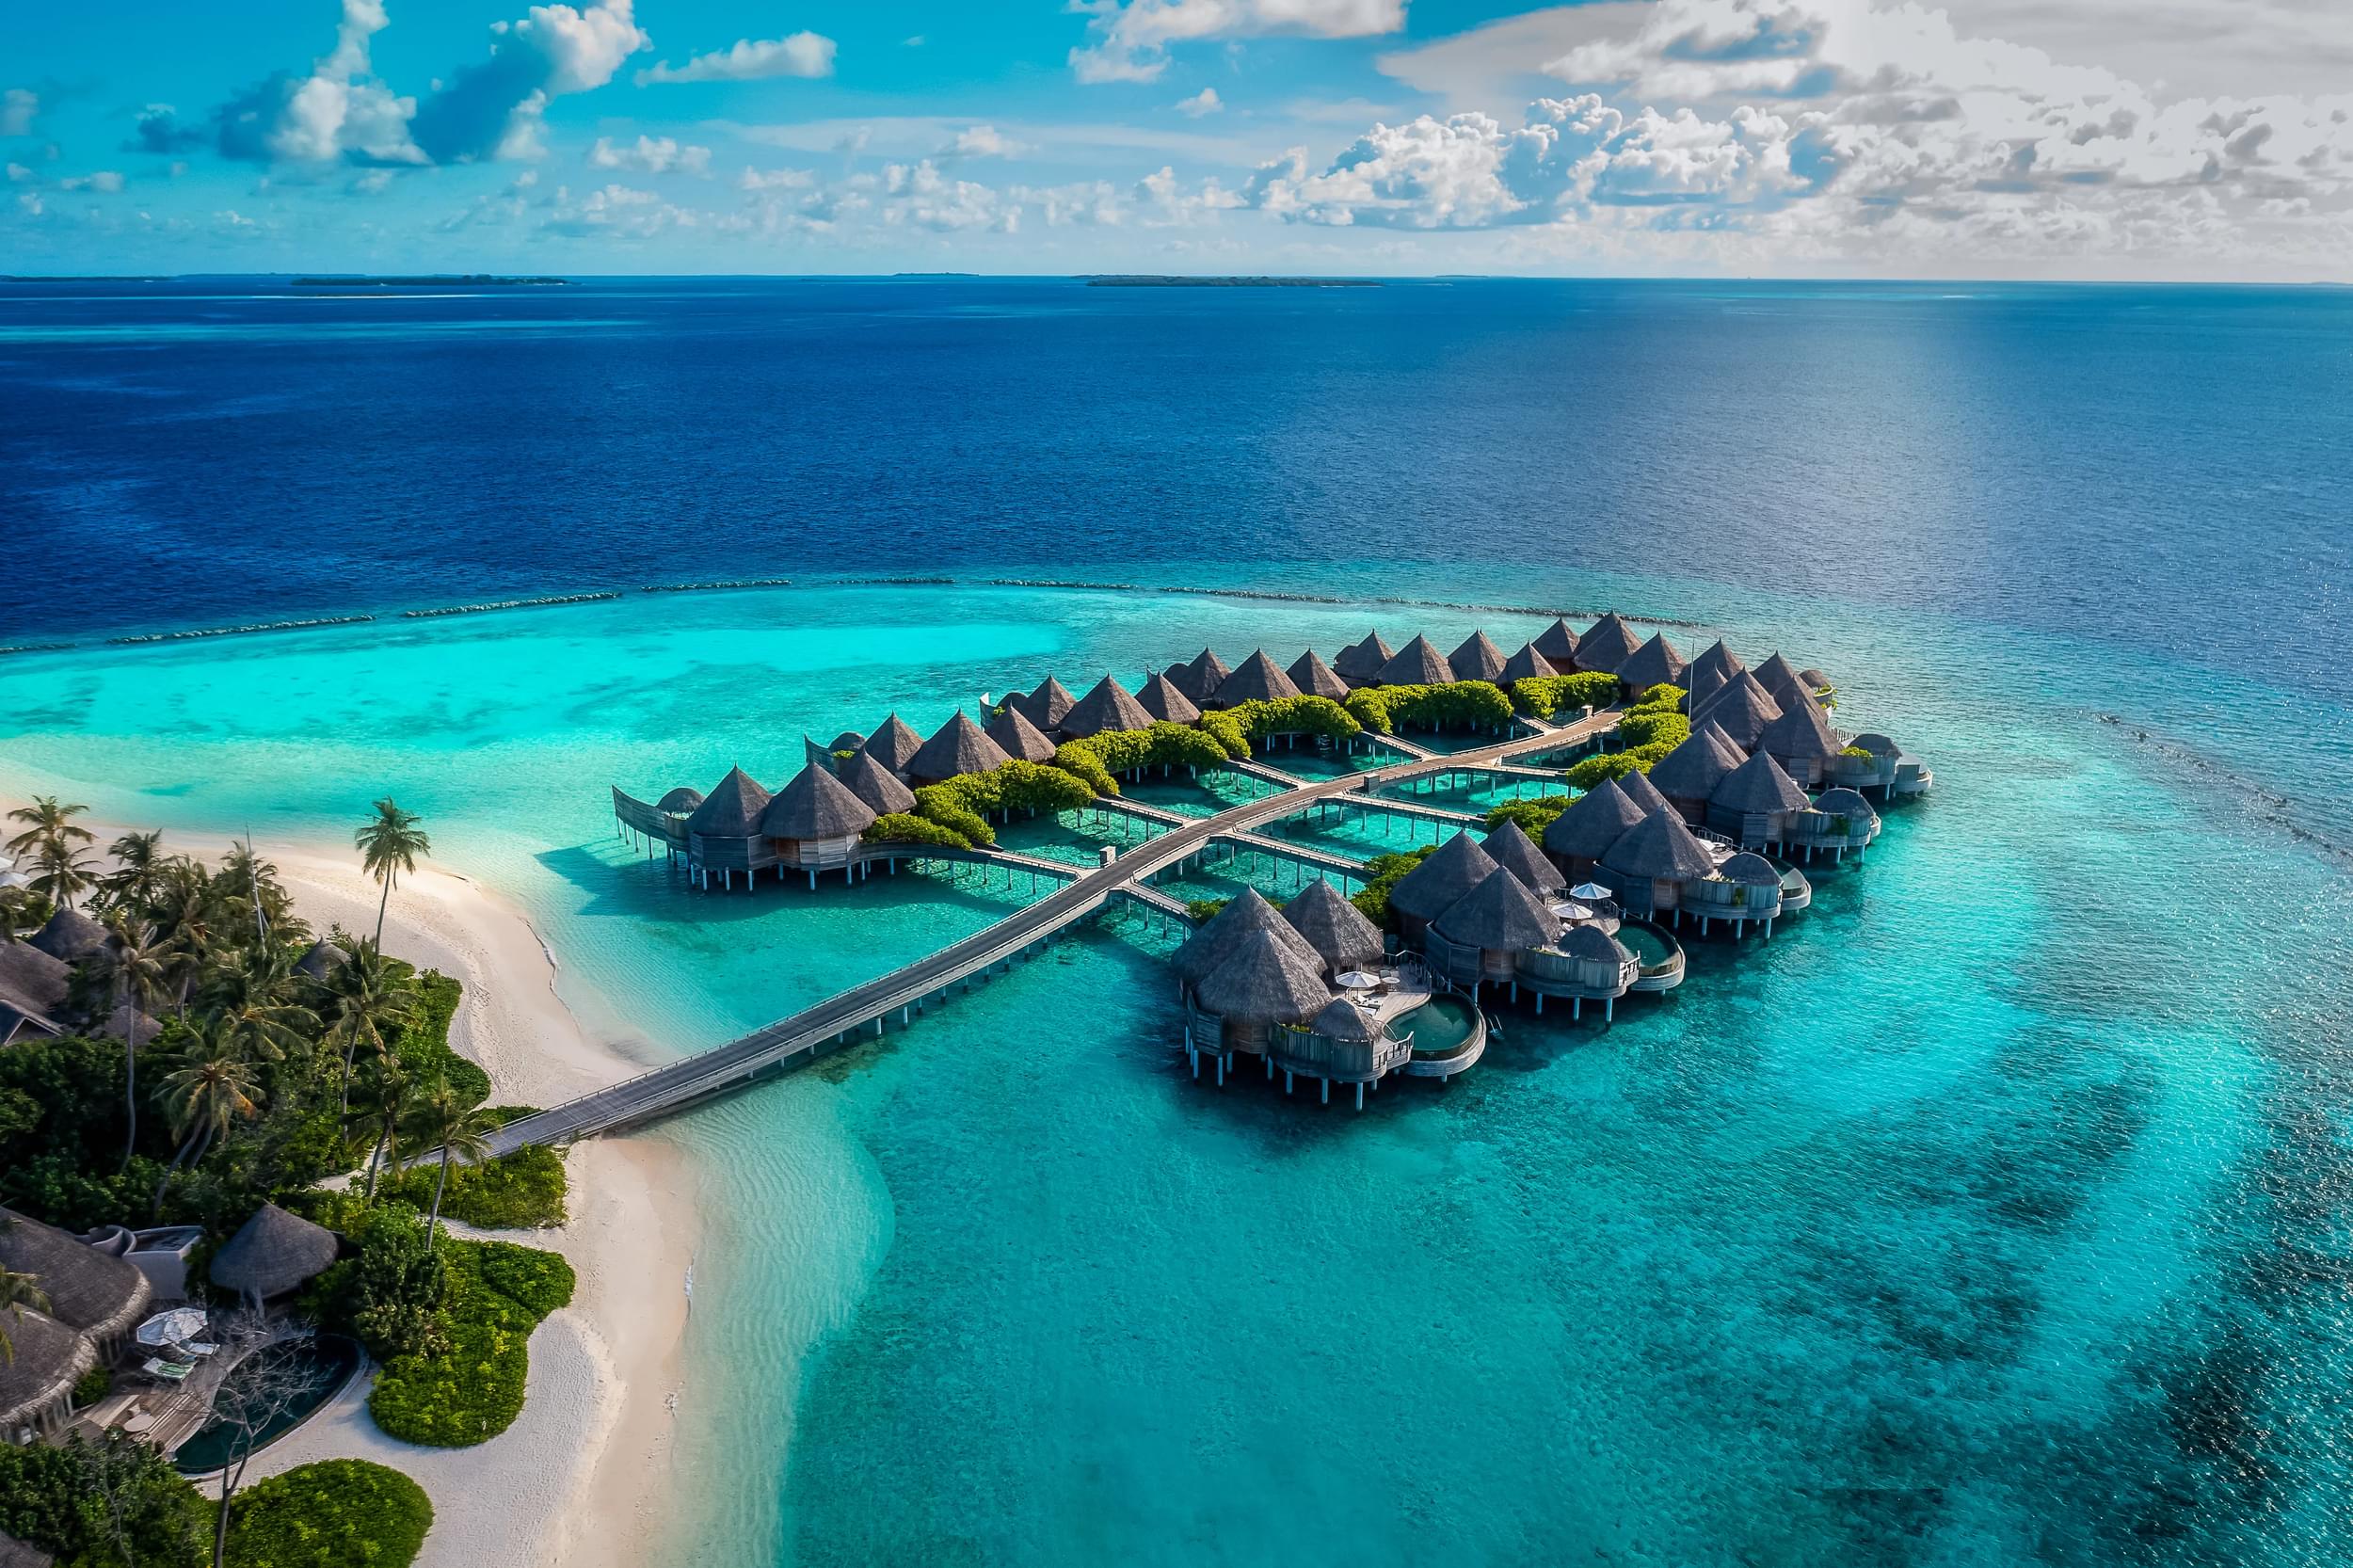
723	833
1480	937
877	786
1744	889
1046	706
1109	706
1258	678
1754	803
1580	835
1641	791
1654	664
1200	677
1837	820
1708	672
1216	938
1016	736
1262	984
1821	686
1607	643
1161	697
1516	852
1585	963
1340	934
813	824
1649	866
1556	642
1886	767
1361	663
1741	708
1528	664
958	746
1417	663
1435	885
1688	776
895	743
1347	1042
1801	740
1314	678
1478	659
1782	681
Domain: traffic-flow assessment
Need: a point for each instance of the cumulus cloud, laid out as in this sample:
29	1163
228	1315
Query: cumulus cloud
158	130
19	107
105	181
494	108
1086	203
774	179
337	111
1164	201
1205	102
801	54
982	141
614	211
651	154
1130	37
919	195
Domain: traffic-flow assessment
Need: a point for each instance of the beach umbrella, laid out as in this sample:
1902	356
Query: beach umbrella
177	1327
1590	890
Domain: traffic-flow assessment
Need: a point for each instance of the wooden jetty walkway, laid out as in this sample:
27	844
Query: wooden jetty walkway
819	1030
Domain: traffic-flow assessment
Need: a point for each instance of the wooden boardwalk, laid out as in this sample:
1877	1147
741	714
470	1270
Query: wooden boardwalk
828	1026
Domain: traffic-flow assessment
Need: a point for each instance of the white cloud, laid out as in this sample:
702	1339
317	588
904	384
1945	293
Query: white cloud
614	211
105	181
1093	202
983	141
339	111
18	108
1132	36
1205	102
651	154
1166	201
802	54
774	179
495	108
919	195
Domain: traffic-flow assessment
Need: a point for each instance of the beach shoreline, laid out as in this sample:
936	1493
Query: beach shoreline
581	1476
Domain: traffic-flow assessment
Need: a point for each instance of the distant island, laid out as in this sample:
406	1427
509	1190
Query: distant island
1170	281
426	281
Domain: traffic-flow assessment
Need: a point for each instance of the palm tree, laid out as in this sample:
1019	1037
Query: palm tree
391	1101
139	872
203	1099
248	890
388	846
366	999
17	1292
183	915
48	823
444	1120
61	874
134	964
251	1003
15	913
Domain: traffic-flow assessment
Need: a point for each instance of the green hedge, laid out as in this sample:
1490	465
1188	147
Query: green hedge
523	1191
1533	816
1475	704
1654	727
1616	764
1248	724
1163	745
1385	871
1078	761
905	827
1546	695
424	1044
943	805
472	1391
336	1514
1661	696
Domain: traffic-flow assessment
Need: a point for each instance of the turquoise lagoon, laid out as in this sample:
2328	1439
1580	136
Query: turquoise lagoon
1991	1212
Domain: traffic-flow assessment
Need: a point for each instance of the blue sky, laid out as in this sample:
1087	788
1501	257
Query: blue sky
2154	138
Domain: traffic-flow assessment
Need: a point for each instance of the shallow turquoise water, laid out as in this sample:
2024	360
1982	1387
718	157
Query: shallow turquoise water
1992	1212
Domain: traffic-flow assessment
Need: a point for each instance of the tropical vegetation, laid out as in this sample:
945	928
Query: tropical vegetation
1386	871
1460	705
1546	695
335	1514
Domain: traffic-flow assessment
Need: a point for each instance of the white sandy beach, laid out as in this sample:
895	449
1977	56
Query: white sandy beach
581	1476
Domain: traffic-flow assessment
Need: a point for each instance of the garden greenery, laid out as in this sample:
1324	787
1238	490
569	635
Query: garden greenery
55	1498
1467	704
1246	726
1161	744
1385	871
1532	816
906	827
472	1391
330	1514
522	1191
1546	695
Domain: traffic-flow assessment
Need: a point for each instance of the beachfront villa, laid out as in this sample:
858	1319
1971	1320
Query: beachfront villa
1586	911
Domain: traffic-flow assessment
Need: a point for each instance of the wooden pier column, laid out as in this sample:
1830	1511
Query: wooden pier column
1360	1095
1327	1089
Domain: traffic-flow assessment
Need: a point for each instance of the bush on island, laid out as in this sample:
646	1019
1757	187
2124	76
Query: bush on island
473	1390
1385	871
329	1514
1654	727
1246	726
522	1191
905	827
1469	704
1546	695
943	805
1533	816
1163	745
1615	764
1078	759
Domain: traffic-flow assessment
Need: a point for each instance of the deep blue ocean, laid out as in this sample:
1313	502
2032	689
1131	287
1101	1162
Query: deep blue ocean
1994	1212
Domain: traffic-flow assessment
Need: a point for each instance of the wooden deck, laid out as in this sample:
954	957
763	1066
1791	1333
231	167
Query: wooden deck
819	1030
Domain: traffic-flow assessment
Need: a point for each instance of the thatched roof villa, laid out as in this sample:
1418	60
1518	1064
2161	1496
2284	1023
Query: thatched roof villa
1361	663
1480	937
1340	934
955	747
1741	708
274	1254
1708	672
1688	774
1654	664
1109	706
1433	887
1314	678
1607	645
1527	665
1016	736
1258	678
1649	866
1162	700
1478	659
1557	644
33	991
1516	852
1580	835
1837	820
1801	740
1200	677
877	786
1417	663
1754	801
95	1300
1782	680
894	744
1641	791
69	936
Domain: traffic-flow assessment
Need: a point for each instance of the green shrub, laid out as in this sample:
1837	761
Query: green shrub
1254	723
1661	696
51	1497
336	1514
1202	910
423	1046
1078	761
472	1391
905	827
943	805
1654	727
1616	764
1474	704
92	1387
521	1190
1163	745
1546	695
1533	816
1861	754
1385	871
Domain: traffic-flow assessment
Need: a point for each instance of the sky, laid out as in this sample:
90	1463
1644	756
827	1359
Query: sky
2139	140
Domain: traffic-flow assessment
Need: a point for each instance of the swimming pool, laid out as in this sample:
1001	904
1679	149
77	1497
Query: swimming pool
326	1361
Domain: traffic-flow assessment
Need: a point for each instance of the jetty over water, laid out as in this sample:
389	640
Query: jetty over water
819	1030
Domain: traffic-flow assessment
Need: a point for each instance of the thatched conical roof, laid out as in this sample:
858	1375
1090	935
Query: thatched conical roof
1258	678
274	1251
1780	678
1758	785
1641	791
849	740
1591	944
1516	852
1752	870
1607	643
1046	706
1314	678
1337	929
1816	680
88	1291
732	808
1693	770
1264	981
1660	848
1218	936
1199	677
35	982
958	746
895	743
1018	736
49	1359
1843	802
1802	733
69	936
1499	915
1654	664
322	958
1433	887
1527	665
1710	670
1343	1020
680	802
1478	659
1417	663
1557	644
1593	822
1741	708
1360	664
816	805
1161	698
877	785
1109	706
